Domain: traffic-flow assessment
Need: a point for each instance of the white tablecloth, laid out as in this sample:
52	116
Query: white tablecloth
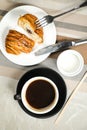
12	117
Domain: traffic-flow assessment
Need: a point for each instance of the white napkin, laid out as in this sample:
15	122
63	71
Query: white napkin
12	117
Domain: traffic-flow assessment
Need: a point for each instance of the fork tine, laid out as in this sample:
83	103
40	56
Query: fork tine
41	25
40	20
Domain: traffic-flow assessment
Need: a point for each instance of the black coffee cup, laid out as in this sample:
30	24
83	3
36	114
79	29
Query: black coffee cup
39	95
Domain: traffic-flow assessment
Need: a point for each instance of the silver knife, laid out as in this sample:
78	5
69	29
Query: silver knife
60	46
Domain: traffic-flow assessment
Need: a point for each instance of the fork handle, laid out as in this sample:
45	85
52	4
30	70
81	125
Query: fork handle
75	8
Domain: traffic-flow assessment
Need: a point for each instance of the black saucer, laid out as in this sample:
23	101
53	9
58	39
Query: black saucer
55	77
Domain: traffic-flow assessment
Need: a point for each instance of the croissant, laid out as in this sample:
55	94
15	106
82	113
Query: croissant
17	43
27	22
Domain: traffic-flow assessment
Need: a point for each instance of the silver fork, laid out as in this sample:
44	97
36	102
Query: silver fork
49	19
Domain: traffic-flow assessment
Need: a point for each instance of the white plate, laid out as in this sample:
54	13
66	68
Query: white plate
9	21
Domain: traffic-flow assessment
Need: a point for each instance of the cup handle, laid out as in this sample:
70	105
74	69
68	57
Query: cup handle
17	97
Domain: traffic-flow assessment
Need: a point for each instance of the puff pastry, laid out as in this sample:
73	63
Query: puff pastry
17	43
27	22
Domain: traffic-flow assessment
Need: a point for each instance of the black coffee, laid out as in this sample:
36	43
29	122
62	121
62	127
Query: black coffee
40	94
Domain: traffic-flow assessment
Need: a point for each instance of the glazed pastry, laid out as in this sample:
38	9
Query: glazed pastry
27	22
17	43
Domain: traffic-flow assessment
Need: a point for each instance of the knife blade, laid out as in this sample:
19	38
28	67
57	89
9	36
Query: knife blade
60	46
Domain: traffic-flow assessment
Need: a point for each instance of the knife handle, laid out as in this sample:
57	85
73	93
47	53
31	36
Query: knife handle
79	42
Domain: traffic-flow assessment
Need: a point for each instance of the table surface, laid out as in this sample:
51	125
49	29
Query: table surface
11	73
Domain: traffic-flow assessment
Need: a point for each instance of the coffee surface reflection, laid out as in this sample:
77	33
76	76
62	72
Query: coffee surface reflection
40	93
